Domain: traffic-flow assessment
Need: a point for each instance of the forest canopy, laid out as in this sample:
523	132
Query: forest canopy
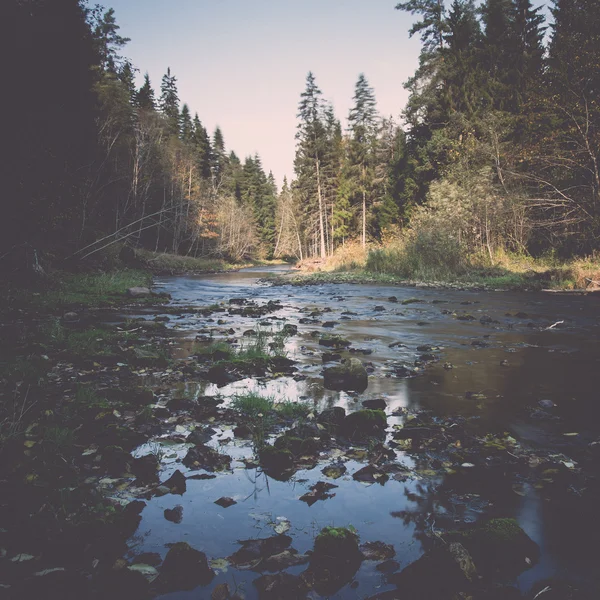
498	147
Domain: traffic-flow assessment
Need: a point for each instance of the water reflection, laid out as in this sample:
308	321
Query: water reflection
494	367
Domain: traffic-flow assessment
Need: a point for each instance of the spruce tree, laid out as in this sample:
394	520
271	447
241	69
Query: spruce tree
186	126
363	126
218	157
201	143
169	101
144	98
107	38
311	147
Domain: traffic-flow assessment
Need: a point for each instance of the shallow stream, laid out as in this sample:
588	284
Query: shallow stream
500	354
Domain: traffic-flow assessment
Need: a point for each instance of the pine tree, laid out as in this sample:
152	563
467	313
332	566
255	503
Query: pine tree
218	158
461	72
108	41
500	51
310	149
529	30
186	125
144	98
201	143
127	78
169	101
363	126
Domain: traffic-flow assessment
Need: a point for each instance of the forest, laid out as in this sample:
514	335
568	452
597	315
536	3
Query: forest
419	397
497	149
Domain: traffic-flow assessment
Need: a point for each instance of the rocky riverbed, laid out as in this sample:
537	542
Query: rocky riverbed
340	441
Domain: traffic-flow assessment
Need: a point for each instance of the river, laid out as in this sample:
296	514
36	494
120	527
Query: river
522	363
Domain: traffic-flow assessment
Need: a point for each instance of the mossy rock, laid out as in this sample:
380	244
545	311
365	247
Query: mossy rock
365	423
289	442
499	546
332	417
184	568
276	459
350	375
334	341
335	544
115	460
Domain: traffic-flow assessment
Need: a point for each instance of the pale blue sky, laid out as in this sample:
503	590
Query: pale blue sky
242	64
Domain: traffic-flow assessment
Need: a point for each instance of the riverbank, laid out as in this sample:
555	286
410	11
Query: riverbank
391	266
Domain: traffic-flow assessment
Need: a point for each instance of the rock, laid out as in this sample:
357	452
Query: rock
388	566
499	546
221	375
371	474
364	424
221	592
259	549
123	583
116	460
201	435
145	469
142	357
319	491
377	404
70	317
203	457
175	515
392	299
330	324
142	397
334	341
148	558
403	371
281	586
546	404
351	375
283	560
138	292
289	329
334	561
332	417
242	431
334	470
439	573
184	568
176	483
225	502
377	551
276	460
335	544
330	357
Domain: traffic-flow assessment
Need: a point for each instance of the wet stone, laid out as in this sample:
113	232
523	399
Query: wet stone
319	491
176	483
334	470
351	375
388	566
203	457
377	551
260	548
175	515
376	404
184	568
225	502
281	586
